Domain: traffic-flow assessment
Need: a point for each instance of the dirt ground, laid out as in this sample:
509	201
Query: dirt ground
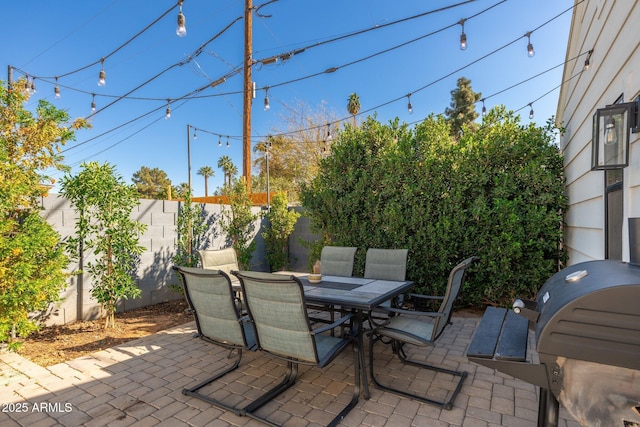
57	344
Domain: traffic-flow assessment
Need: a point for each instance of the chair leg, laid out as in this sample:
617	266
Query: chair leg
288	380
193	391
398	349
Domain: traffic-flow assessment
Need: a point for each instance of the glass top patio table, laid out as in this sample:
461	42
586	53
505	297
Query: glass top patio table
353	292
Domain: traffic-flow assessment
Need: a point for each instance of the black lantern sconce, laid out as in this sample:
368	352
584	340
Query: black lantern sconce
612	127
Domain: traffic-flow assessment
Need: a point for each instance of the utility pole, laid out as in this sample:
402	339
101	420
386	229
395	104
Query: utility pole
248	94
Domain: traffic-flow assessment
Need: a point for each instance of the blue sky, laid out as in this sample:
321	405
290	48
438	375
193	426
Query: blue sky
47	39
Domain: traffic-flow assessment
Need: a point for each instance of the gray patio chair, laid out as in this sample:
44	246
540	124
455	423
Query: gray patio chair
410	327
334	261
219	259
218	320
386	264
277	307
337	260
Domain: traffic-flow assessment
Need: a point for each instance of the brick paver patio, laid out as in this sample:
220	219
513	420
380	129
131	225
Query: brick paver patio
139	383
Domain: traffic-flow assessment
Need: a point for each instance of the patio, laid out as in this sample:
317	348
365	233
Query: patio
139	384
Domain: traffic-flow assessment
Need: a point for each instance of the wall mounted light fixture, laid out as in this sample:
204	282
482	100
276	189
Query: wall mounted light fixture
612	127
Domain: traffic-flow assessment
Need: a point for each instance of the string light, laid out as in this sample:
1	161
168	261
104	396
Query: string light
484	109
266	99
56	89
93	103
409	106
33	85
530	51
219	141
530	111
587	62
228	141
463	36
329	137
195	135
167	114
102	77
181	30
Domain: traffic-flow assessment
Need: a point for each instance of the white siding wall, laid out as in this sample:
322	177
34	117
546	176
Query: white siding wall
611	29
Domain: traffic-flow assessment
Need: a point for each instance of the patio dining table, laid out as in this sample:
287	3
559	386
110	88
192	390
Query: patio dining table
357	294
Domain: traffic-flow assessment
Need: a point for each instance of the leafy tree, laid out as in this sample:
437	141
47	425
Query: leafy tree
282	222
151	183
295	149
239	223
104	203
190	227
353	106
32	262
497	193
206	172
462	109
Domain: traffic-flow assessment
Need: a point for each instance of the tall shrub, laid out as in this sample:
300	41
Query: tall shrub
281	223
104	203
32	263
497	193
238	223
190	227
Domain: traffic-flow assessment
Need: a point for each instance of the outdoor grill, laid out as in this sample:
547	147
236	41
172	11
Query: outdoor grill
586	320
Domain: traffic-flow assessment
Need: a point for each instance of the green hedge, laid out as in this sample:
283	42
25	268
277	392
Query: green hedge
497	193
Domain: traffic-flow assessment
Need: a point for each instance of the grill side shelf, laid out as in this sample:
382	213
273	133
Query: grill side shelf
487	334
513	339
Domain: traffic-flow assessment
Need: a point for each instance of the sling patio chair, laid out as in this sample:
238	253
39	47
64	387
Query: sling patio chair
386	264
218	320
337	260
334	261
277	307
219	259
410	327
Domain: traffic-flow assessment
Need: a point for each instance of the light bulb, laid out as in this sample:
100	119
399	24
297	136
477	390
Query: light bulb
93	103
409	106
227	142
484	109
167	114
531	111
463	36
530	51
463	41
610	132
56	90
181	30
266	103
102	77
33	86
219	141
195	135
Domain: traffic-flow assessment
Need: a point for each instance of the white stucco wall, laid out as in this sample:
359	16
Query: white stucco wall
611	29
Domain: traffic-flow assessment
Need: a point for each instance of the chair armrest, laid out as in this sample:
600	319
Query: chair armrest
411	312
335	324
437	297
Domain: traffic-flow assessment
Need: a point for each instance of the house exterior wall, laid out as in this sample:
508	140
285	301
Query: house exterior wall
154	275
610	28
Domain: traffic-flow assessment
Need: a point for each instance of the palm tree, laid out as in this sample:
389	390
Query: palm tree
353	106
206	171
226	164
232	171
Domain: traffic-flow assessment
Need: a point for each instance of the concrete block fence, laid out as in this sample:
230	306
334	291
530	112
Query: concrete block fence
154	275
